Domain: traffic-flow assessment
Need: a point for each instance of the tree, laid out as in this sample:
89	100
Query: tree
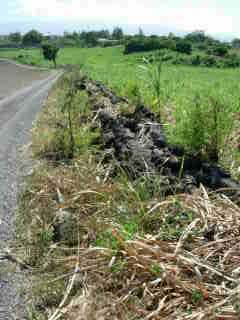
15	37
236	43
171	35
32	38
117	33
220	50
91	38
50	51
104	34
196	36
140	33
184	47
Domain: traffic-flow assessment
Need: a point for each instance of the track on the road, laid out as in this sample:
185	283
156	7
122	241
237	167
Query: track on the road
17	113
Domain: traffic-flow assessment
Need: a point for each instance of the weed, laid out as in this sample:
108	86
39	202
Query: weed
156	269
197	297
107	239
118	266
174	224
204	127
133	91
153	72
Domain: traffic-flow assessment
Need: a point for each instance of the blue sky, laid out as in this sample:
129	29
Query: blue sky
213	16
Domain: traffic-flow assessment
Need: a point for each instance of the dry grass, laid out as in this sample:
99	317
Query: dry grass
123	253
196	277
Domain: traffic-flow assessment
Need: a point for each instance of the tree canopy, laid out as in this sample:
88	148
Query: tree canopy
50	51
32	38
117	33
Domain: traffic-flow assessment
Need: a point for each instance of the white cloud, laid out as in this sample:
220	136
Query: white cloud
186	16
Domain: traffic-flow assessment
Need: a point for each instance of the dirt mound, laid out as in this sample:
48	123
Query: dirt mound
137	142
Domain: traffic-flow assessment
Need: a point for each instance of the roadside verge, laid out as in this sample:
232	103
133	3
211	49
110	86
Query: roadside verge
105	244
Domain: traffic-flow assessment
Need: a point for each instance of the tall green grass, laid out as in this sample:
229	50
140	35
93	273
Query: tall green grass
178	88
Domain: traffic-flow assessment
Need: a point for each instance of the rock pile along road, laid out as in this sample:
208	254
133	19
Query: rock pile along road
23	91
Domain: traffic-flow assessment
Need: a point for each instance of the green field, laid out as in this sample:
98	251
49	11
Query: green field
180	85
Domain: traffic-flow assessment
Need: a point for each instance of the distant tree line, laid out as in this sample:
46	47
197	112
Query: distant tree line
133	43
196	48
34	38
195	40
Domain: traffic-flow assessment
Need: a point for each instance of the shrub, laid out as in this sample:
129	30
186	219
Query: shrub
203	126
196	60
154	74
140	44
220	50
202	46
117	33
184	46
111	43
209	61
232	61
50	52
196	36
236	43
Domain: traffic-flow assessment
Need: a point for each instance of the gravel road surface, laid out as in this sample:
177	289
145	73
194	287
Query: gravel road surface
23	92
14	77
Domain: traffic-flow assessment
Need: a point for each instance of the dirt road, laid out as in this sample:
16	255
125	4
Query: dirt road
23	91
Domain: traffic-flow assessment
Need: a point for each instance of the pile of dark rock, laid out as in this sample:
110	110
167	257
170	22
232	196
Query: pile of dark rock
138	145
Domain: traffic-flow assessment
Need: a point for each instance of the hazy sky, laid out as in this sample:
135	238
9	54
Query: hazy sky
213	16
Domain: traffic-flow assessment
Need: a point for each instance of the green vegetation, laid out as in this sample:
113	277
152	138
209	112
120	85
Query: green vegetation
188	96
101	245
120	248
50	52
32	38
196	48
92	38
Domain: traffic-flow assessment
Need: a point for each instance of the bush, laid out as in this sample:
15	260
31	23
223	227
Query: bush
110	43
196	36
203	126
141	44
179	60
209	61
184	47
50	52
196	60
202	46
220	50
232	61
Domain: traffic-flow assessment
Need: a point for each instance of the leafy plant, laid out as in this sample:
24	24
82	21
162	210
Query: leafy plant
197	297
50	51
204	126
153	72
156	269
